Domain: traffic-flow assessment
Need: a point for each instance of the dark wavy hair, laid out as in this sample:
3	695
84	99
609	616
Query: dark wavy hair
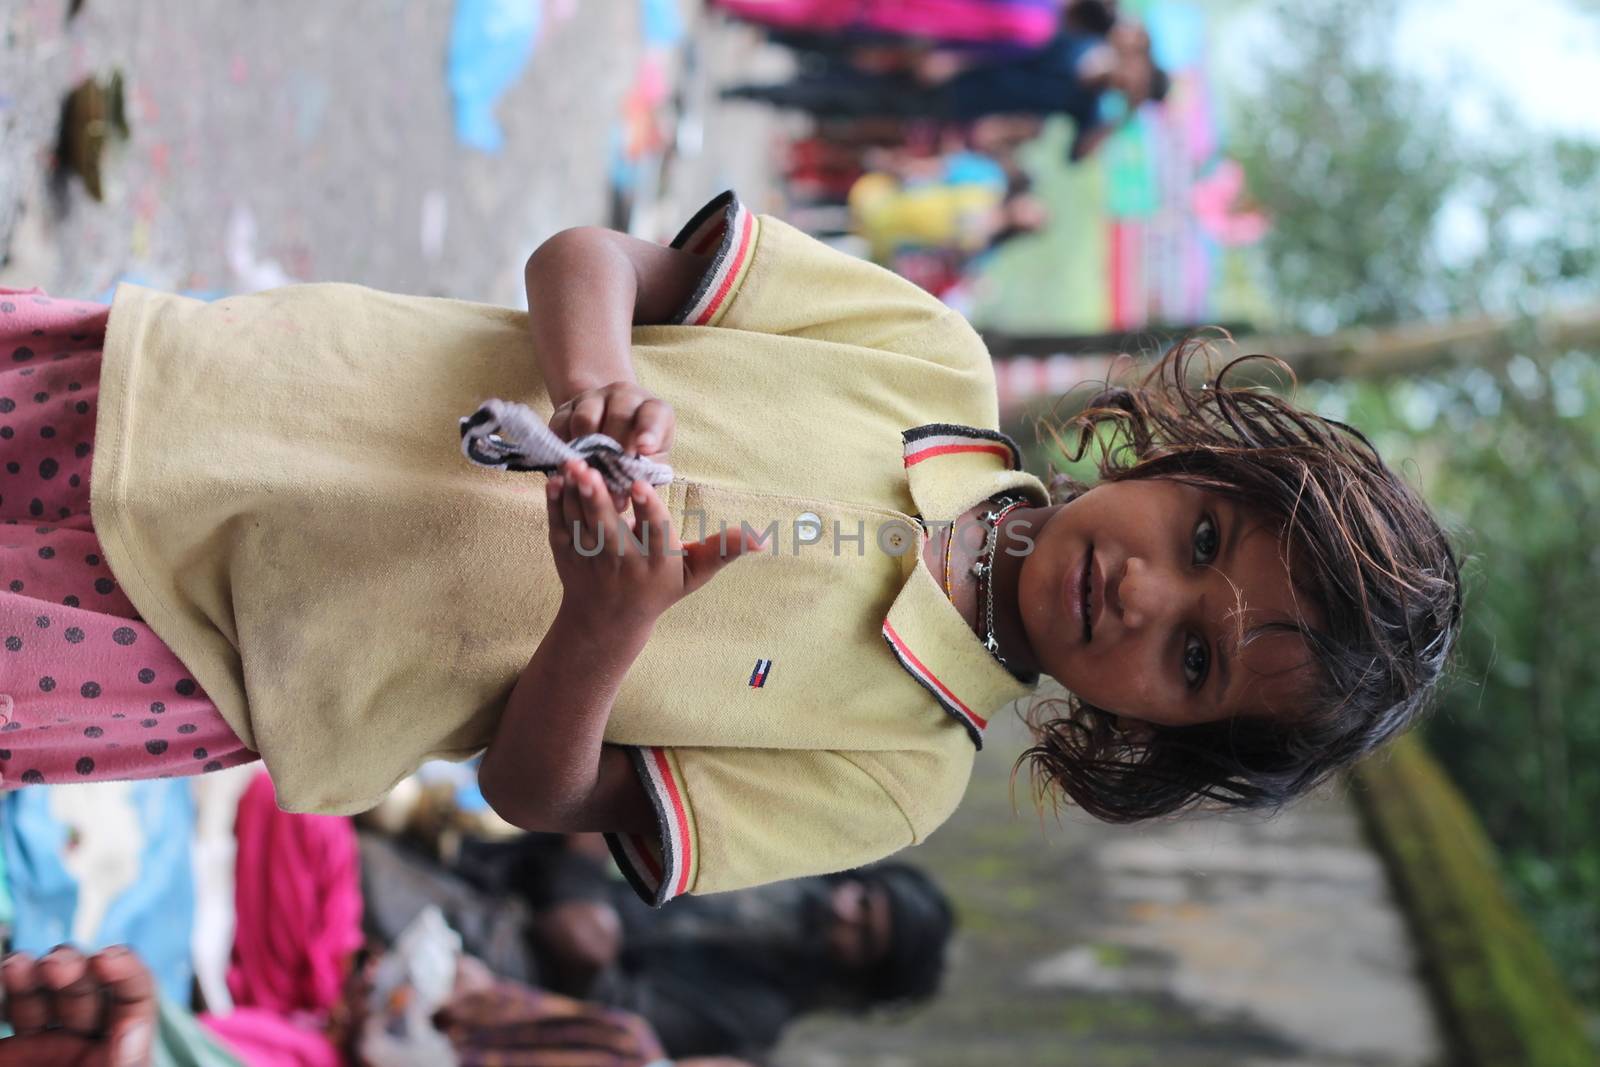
1360	543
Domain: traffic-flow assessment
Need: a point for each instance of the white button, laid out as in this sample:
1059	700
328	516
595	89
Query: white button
808	527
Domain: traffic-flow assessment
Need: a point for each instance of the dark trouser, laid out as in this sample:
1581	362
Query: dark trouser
849	95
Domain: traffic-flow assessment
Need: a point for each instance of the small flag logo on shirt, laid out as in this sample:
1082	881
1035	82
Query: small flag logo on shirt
758	677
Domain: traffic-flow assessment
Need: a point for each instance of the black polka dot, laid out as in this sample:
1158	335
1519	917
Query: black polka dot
158	707
46	684
70	601
47	431
89	690
43	529
42	622
22	354
146	675
16	585
7	405
73	387
200	753
5	755
47	552
118	715
40	397
73	635
10	727
188	728
7	432
32	777
36	507
63	513
85	765
155	748
28	372
8	307
75	481
148	723
81	449
104	585
92	731
124	635
13	468
48	468
92	560
81	407
185	687
13	643
214	765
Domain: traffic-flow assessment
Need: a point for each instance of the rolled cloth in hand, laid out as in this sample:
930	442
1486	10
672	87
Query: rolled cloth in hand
511	437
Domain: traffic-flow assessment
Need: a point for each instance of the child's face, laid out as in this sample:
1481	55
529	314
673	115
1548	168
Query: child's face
1175	576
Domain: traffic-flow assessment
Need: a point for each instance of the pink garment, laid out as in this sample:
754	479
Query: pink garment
1028	23
87	691
266	1039
297	900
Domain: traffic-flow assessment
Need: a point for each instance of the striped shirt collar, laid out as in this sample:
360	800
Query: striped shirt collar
951	468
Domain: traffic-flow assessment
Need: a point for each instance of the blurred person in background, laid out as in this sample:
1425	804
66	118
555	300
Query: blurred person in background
1071	74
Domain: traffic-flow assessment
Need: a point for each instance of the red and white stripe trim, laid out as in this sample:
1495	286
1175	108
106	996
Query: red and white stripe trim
940	439
947	699
727	229
658	870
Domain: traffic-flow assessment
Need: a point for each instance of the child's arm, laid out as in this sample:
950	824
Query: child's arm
587	288
548	767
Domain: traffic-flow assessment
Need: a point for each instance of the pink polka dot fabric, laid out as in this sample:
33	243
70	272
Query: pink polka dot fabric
87	690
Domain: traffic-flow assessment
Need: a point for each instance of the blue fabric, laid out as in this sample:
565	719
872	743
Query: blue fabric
154	915
490	44
1044	83
972	168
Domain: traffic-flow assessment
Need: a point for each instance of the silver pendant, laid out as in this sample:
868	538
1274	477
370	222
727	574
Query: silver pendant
981	569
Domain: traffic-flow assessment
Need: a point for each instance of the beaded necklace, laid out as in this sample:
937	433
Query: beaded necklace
983	568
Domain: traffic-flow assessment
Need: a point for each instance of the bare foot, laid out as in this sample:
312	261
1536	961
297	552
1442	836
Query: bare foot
77	1012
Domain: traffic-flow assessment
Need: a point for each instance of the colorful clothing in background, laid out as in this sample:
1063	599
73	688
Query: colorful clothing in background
953	212
1026	23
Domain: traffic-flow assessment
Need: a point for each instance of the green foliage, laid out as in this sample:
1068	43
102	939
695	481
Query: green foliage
1512	461
1383	209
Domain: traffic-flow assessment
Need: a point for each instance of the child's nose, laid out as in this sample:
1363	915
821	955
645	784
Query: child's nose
1146	594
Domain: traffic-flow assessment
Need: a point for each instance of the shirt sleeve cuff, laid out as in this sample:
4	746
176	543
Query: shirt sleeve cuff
725	230
657	866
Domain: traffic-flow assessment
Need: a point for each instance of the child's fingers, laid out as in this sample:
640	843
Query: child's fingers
596	502
572	502
587	413
651	431
555	514
655	523
703	560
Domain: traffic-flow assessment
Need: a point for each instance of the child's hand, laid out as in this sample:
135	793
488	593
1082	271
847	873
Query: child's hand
622	569
635	418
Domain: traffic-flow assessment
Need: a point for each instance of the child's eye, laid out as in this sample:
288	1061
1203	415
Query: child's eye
1195	661
1206	540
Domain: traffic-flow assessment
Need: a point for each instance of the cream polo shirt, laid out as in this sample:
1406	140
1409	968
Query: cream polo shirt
279	489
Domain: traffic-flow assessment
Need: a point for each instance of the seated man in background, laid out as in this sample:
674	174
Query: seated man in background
720	975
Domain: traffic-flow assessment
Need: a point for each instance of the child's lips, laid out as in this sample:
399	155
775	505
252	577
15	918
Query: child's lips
1079	594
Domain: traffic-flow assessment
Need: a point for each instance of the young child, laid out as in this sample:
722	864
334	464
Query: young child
279	549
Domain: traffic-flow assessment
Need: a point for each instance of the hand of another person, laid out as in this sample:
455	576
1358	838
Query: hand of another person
621	570
634	417
583	936
76	1012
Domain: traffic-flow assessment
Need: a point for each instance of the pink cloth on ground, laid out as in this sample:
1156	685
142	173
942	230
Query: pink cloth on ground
87	691
297	924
